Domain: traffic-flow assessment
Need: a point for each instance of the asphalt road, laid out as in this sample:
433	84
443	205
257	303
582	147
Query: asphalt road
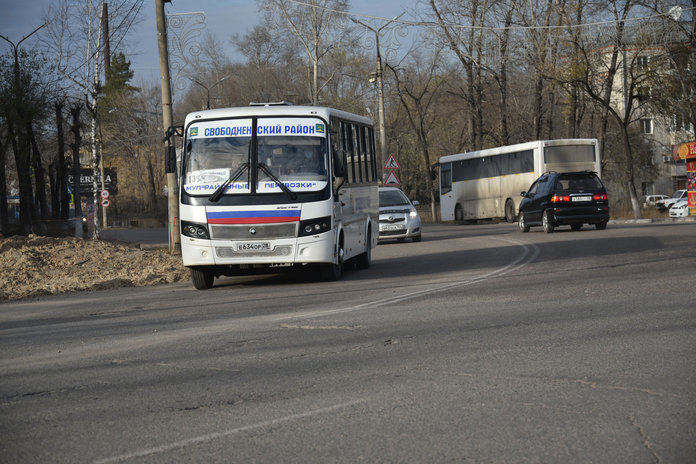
478	344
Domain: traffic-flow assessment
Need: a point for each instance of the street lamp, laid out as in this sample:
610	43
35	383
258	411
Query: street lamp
377	76
207	89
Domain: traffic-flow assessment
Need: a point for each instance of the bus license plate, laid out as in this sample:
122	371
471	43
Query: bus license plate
254	246
392	227
585	198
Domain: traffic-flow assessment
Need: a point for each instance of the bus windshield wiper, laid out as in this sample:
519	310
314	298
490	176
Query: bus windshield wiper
217	194
283	187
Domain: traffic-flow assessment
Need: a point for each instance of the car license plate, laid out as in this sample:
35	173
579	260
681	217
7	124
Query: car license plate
583	198
254	246
392	227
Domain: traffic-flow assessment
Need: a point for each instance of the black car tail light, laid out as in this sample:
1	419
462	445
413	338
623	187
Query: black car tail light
601	197
560	198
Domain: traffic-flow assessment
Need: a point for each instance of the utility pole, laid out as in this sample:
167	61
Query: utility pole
380	93
167	117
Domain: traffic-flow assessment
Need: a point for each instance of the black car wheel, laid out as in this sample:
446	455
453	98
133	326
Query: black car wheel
546	223
522	224
601	225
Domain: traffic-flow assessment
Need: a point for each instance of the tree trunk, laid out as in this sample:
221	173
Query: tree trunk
61	166
53	188
22	150
39	175
635	204
77	142
4	218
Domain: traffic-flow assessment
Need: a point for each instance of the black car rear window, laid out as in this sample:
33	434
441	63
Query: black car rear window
578	183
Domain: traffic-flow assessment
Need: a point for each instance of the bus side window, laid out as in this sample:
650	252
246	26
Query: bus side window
338	158
445	178
347	142
371	153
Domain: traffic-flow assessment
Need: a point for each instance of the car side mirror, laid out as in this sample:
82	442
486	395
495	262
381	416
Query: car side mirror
523	194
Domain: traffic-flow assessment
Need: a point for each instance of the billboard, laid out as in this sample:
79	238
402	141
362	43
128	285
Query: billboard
87	181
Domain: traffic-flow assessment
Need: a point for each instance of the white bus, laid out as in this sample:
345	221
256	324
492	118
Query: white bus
277	186
487	184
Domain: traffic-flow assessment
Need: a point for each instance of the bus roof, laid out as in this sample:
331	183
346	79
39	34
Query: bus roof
516	147
271	110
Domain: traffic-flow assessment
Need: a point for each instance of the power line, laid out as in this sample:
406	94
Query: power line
490	28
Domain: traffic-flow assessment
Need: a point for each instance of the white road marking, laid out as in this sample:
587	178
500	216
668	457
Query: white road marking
529	254
214	436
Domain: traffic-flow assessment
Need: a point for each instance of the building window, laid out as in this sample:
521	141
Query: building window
646	126
680	122
642	62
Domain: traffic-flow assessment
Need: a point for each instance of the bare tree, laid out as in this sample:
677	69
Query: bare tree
419	88
74	37
320	28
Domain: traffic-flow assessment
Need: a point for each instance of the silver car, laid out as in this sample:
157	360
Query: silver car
398	218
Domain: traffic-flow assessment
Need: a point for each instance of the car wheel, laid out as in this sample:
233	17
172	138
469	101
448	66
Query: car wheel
459	214
202	279
417	238
364	259
546	223
601	225
522	224
509	211
576	227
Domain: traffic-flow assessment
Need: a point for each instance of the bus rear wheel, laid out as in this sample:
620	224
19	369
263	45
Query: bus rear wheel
363	260
509	211
201	278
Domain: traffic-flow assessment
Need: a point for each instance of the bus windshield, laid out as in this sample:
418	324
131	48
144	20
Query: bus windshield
294	151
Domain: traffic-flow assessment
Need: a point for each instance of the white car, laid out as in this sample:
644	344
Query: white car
667	203
679	209
651	200
398	218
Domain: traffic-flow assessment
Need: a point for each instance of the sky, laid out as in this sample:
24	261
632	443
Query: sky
223	18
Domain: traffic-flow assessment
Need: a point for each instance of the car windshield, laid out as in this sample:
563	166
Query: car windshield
392	198
578	183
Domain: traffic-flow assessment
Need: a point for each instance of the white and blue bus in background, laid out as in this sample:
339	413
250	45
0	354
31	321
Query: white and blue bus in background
276	186
486	184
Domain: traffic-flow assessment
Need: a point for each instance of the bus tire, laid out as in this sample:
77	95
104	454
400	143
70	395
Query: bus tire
546	223
363	260
201	278
459	214
332	272
509	211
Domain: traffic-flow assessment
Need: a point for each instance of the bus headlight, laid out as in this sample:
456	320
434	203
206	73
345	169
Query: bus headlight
314	226
194	230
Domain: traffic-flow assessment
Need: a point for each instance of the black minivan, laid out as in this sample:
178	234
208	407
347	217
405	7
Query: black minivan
566	198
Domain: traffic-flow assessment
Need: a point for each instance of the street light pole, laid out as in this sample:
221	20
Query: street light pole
380	92
167	118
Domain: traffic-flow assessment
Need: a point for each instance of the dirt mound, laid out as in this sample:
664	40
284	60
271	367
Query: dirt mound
36	265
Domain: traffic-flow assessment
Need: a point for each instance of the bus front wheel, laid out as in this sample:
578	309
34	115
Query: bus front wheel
201	278
459	214
333	271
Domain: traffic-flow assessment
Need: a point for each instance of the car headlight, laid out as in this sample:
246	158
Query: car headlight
413	214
